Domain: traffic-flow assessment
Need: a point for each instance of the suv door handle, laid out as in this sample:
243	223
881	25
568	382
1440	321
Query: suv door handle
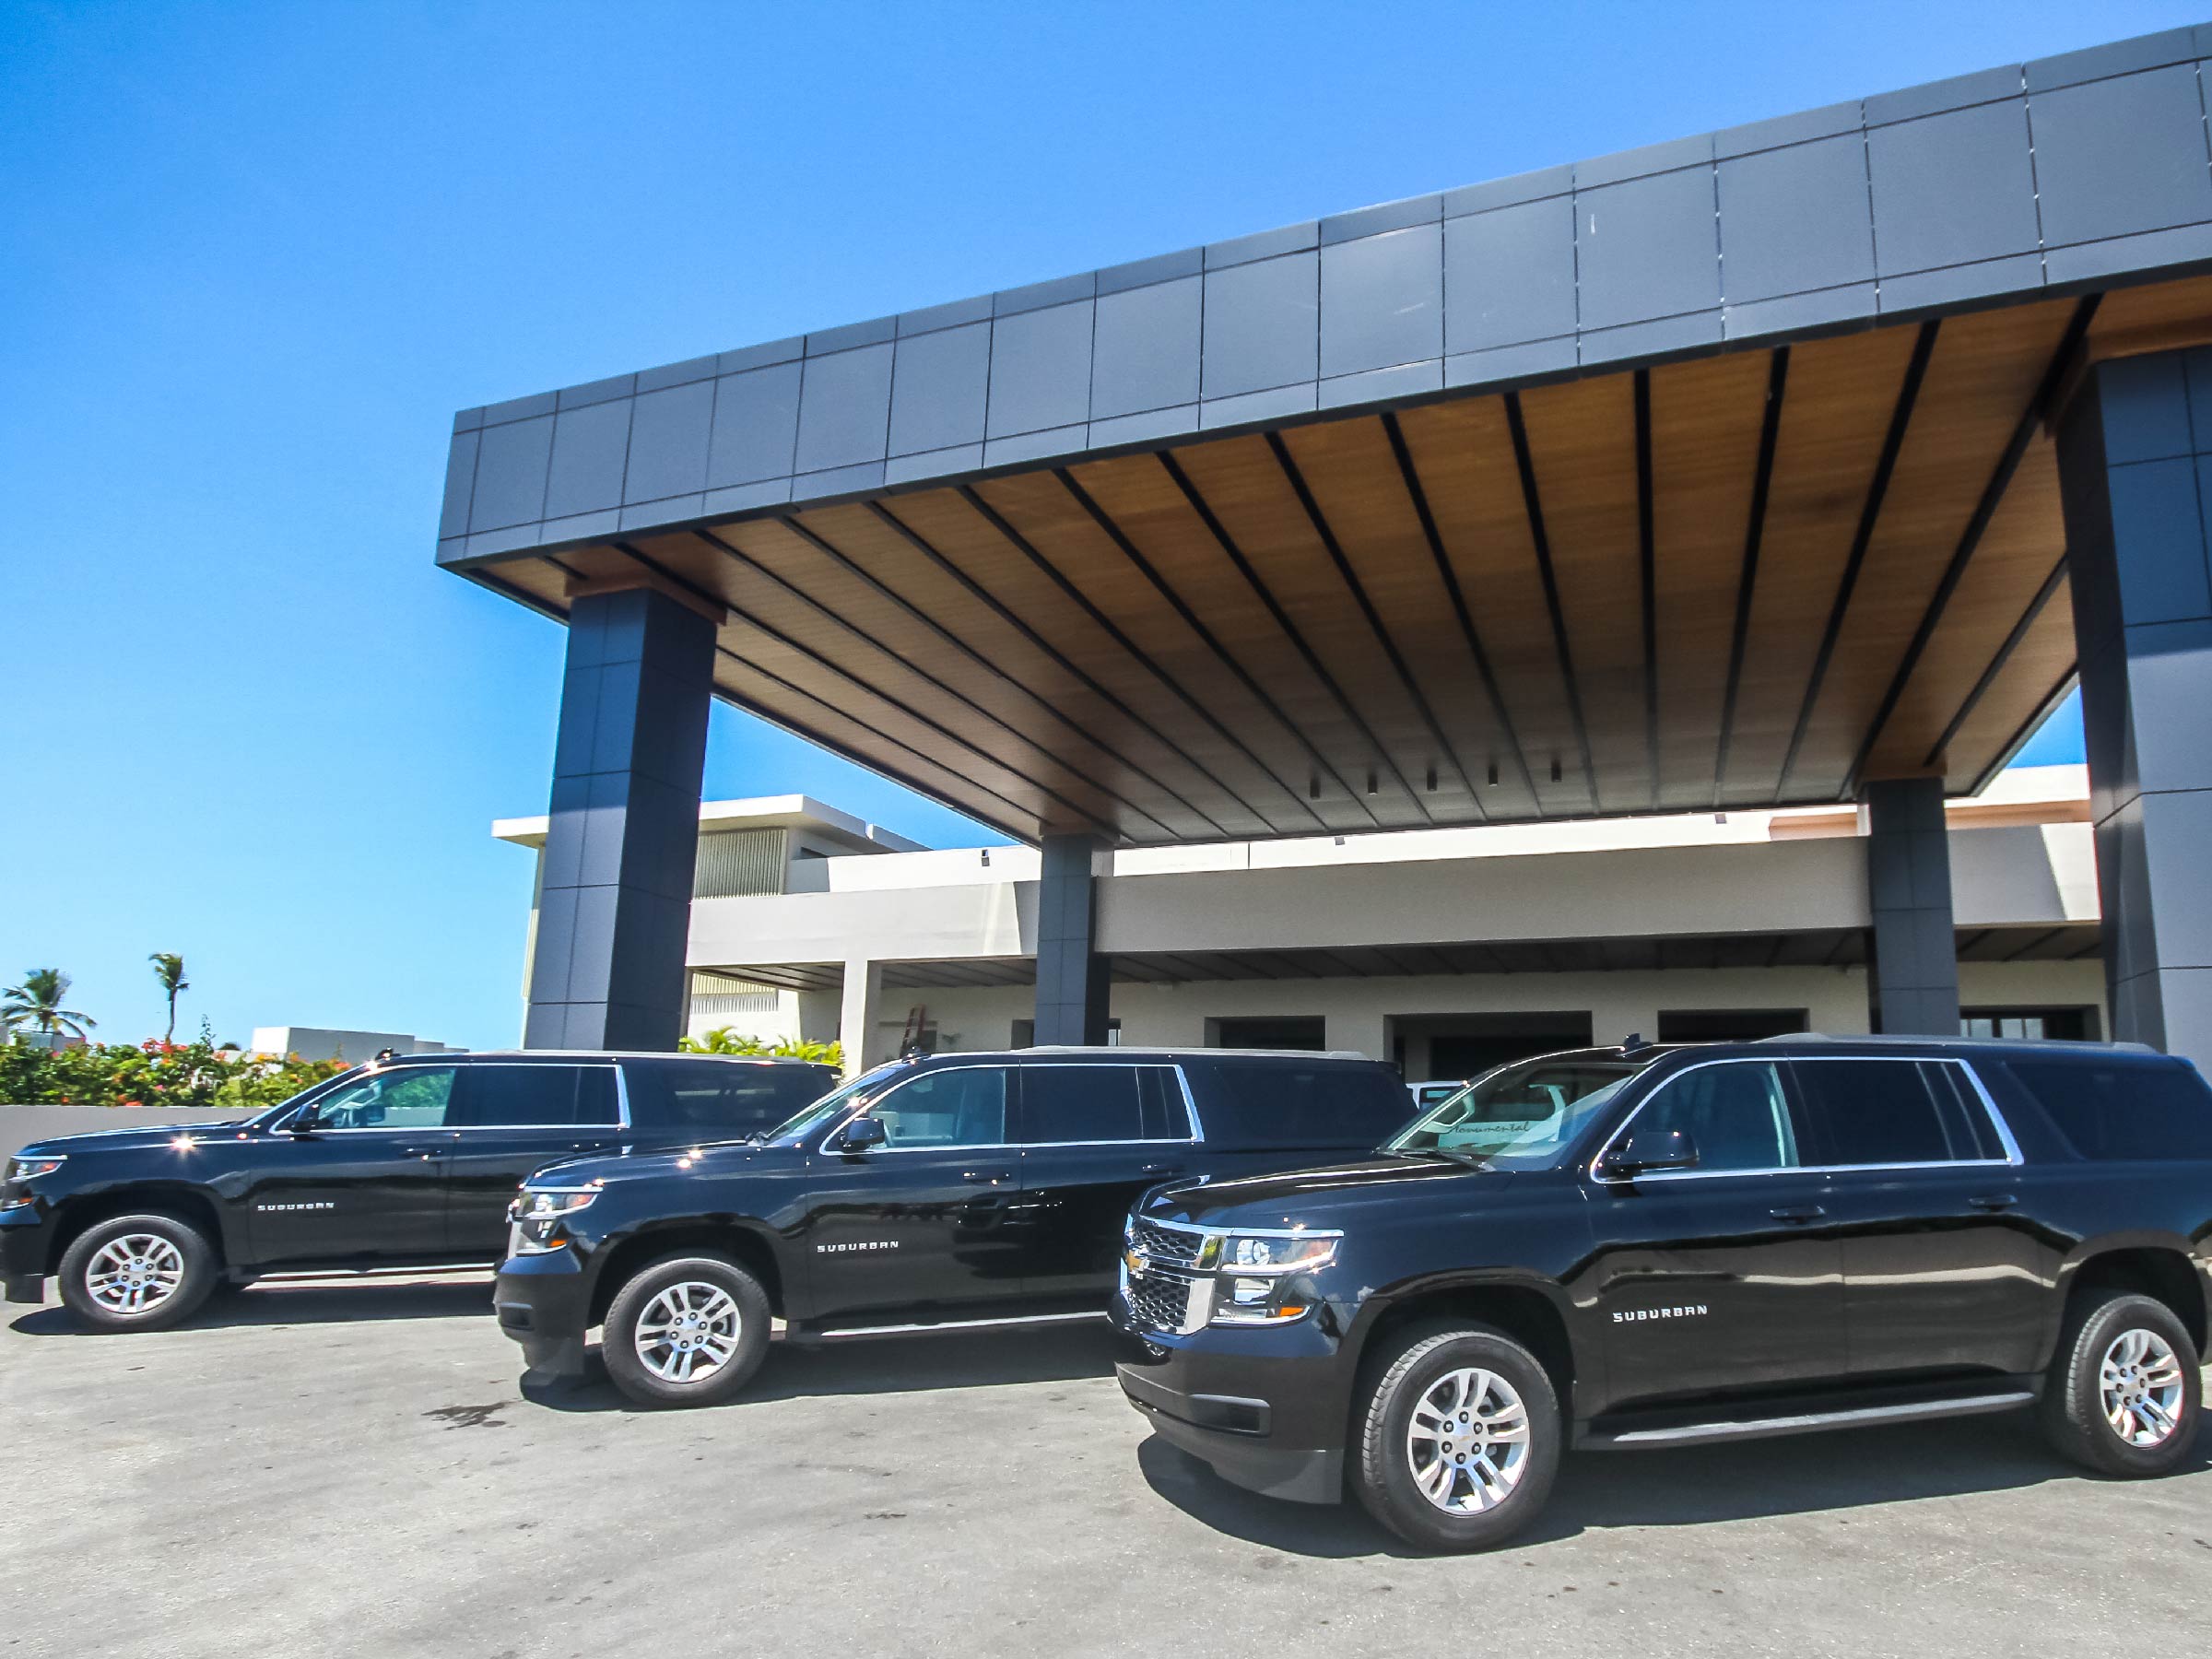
1162	1169
1994	1201
986	1177
1797	1212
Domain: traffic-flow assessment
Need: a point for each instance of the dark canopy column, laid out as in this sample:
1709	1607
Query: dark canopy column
1071	975
1915	980
2134	451
609	971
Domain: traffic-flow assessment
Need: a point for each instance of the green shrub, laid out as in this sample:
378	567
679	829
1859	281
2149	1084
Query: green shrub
196	1076
725	1039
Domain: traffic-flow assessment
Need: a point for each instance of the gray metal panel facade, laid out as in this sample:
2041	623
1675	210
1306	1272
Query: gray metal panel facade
2002	185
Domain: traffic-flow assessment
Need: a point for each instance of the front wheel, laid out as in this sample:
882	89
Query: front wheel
1459	1441
2124	1389
138	1272
686	1331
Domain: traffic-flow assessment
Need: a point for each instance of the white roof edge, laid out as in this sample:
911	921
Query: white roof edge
784	811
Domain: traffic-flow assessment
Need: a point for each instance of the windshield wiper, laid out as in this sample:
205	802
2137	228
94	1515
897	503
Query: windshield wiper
1460	1155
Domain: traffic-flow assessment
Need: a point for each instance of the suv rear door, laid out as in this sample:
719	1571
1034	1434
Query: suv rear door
514	1118
1095	1134
1726	1276
1941	1270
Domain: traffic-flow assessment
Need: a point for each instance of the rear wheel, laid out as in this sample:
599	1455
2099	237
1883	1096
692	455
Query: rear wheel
138	1272
686	1331
1459	1441
2125	1389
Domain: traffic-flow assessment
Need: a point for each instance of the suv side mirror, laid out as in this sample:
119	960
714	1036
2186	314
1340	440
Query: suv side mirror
306	1120
859	1134
1648	1152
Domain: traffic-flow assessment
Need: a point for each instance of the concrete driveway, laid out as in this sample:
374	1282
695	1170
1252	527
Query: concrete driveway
353	1469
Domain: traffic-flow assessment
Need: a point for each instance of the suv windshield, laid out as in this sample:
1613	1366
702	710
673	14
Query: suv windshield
1528	1113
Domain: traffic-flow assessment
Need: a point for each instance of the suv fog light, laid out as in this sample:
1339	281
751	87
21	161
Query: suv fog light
1251	1292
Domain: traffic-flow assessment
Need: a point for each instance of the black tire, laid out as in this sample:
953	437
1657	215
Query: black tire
1383	1475
173	1243
2073	1406
618	1341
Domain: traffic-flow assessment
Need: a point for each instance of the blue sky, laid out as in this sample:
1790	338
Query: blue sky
257	255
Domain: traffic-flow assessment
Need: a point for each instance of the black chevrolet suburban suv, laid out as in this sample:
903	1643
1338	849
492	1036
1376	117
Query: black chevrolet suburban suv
937	1193
407	1163
1642	1248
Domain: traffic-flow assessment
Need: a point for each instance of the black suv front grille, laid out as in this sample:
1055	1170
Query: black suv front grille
1160	1301
1166	1243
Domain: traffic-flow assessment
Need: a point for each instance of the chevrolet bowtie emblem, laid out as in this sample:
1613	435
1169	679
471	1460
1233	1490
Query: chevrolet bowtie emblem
1138	1261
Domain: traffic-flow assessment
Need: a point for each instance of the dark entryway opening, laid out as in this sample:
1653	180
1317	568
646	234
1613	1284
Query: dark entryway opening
1429	1046
1728	1025
2070	1025
1288	1031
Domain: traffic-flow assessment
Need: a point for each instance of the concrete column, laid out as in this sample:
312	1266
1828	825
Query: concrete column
856	1018
1915	981
2134	454
1359	1031
1071	978
608	970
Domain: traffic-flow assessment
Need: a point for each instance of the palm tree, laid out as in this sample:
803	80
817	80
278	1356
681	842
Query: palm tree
38	1002
169	970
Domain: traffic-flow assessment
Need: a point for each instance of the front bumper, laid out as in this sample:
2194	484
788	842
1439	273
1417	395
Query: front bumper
1264	1406
23	1240
544	1304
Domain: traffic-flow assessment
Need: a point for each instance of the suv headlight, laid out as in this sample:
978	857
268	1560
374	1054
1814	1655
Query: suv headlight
1261	1275
537	1214
20	1170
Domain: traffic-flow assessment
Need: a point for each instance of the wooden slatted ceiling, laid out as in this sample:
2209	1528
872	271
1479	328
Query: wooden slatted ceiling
1180	645
1979	382
1188	767
1143	501
1463	457
1835	413
1706	419
1248	493
1256	754
1362	494
1581	438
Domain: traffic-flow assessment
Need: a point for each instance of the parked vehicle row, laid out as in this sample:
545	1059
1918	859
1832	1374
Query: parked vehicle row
409	1164
1614	1248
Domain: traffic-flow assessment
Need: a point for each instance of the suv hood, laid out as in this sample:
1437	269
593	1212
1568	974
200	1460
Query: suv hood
631	1163
1322	1195
134	1139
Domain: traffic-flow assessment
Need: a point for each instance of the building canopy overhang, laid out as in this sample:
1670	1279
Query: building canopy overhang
1714	475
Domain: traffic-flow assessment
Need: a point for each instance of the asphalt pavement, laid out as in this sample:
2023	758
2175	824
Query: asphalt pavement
354	1469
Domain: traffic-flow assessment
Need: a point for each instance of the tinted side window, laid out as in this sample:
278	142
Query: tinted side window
412	1097
1281	1103
526	1096
962	1106
724	1096
2113	1113
1736	1115
1081	1103
1878	1111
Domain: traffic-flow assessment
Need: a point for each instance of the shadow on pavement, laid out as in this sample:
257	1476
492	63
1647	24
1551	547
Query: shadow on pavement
877	1365
1689	1487
282	1304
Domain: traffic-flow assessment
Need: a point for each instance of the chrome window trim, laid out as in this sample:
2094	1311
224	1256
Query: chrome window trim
2011	1160
1190	1105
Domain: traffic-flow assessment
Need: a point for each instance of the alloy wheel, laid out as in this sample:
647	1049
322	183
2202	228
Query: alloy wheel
688	1332
1467	1445
136	1273
2140	1382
